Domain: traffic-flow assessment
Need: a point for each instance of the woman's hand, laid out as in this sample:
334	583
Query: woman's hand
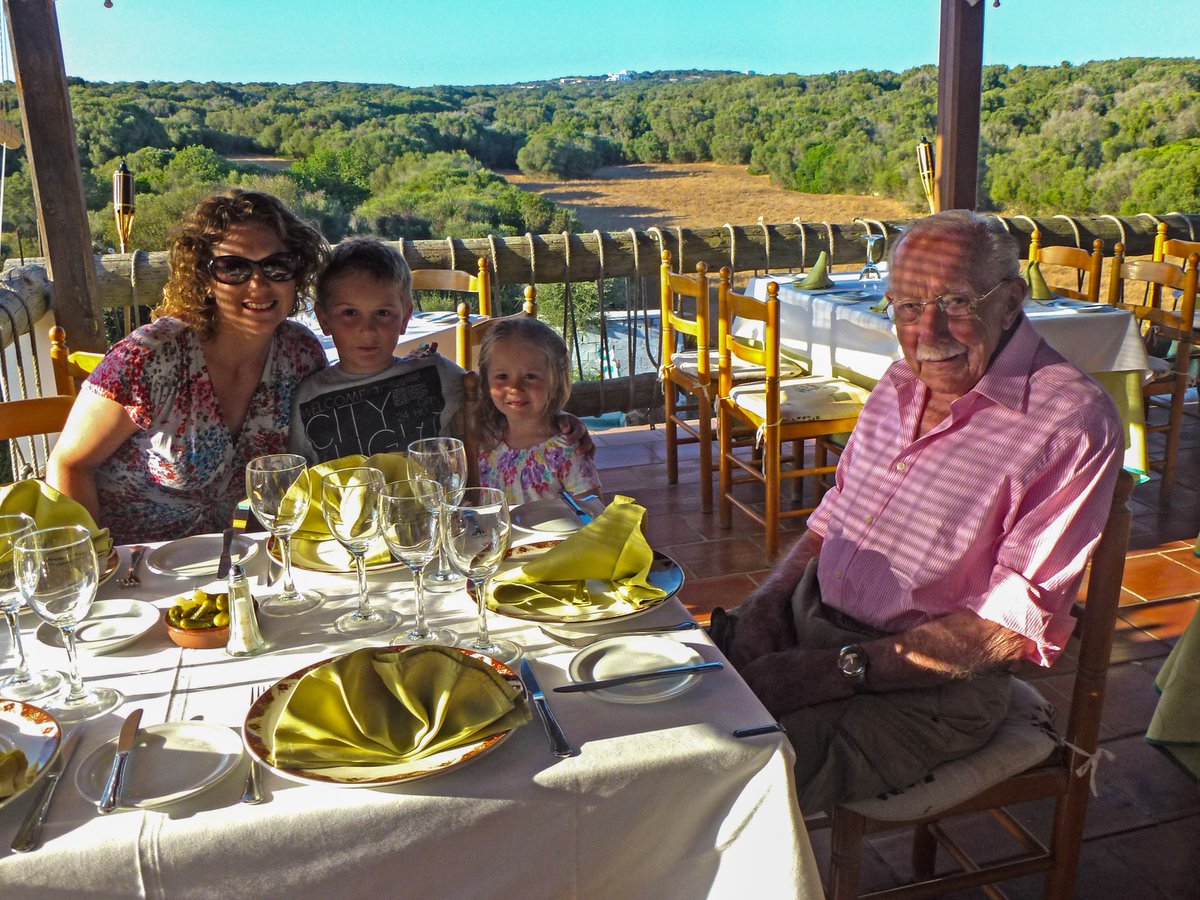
573	429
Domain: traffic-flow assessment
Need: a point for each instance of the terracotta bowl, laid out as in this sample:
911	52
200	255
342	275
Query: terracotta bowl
199	638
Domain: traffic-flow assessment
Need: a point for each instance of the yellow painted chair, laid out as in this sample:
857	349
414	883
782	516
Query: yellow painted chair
71	369
1174	247
469	335
36	419
456	281
777	409
1088	266
1169	336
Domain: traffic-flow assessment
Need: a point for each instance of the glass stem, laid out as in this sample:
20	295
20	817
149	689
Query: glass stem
364	604
421	629
289	586
21	675
78	692
481	587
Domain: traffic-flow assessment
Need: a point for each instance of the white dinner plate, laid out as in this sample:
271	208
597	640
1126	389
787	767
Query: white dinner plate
111	565
631	653
35	733
198	556
169	762
265	711
551	516
110	625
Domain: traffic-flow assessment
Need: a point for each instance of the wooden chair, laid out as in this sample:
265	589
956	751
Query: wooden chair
1177	248
470	334
777	409
1169	336
456	281
35	418
71	369
1065	776
1088	266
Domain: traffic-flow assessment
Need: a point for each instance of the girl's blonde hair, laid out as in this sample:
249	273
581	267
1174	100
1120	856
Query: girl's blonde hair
491	423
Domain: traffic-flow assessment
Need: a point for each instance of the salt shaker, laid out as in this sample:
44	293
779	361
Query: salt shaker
244	637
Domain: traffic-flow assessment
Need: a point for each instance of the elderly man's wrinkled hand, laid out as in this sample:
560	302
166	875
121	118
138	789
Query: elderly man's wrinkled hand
573	429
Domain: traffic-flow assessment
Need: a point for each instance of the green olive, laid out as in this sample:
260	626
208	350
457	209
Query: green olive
221	619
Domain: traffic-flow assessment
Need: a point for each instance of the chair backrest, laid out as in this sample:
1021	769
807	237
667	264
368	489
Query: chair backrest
472	397
459	282
1088	266
27	425
677	319
470	334
71	369
1164	248
1174	323
764	352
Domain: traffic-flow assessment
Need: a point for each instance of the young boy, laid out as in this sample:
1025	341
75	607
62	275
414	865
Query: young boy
368	401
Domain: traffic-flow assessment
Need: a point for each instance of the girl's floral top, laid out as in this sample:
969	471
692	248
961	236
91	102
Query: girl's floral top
182	472
542	470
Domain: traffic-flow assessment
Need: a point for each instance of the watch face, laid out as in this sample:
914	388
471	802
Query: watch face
852	662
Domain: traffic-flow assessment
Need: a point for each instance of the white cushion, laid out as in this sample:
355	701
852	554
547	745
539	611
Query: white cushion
688	361
812	399
1025	738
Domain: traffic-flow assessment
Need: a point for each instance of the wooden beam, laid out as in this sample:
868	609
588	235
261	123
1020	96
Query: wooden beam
54	169
960	77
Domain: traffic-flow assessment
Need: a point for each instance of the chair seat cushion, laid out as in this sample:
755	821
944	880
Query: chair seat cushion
688	361
812	399
1024	739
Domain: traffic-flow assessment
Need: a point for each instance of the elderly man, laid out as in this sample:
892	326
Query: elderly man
966	504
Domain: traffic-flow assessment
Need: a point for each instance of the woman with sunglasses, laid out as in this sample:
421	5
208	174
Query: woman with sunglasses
158	440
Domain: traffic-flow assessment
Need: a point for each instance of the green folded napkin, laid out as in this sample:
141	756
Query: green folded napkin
14	772
1038	289
377	707
818	276
52	509
611	550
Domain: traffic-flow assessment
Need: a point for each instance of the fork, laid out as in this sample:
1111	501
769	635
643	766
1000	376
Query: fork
131	580
253	792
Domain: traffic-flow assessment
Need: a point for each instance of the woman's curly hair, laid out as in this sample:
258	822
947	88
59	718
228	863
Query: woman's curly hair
490	425
187	295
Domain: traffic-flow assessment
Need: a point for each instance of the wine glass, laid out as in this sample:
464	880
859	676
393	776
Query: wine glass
410	512
870	272
268	485
21	684
350	502
58	575
477	529
445	461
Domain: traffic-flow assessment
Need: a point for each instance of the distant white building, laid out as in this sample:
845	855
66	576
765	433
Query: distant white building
623	75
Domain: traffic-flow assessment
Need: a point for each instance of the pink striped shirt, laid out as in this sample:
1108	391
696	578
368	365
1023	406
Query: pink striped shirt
995	510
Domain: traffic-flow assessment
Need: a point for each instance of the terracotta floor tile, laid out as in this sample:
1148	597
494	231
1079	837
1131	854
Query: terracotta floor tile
1185	556
622	456
702	595
1157	577
1165	621
713	558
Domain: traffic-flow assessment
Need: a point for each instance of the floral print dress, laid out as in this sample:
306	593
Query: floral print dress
542	470
182	472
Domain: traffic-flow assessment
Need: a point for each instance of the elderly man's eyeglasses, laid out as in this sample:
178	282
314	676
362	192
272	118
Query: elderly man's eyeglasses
239	270
955	306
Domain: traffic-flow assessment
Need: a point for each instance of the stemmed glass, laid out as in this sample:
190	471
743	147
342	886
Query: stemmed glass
268	485
58	575
870	272
410	511
21	684
477	529
444	460
350	503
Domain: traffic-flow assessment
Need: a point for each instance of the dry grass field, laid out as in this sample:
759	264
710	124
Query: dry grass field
698	195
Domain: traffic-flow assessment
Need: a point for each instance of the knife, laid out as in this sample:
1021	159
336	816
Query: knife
223	565
584	516
577	686
112	788
29	835
554	733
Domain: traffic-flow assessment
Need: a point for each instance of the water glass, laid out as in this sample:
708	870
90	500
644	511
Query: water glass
269	480
350	503
410	512
444	460
58	575
22	684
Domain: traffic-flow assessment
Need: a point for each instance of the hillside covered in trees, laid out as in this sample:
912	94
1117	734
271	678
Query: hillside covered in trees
1119	136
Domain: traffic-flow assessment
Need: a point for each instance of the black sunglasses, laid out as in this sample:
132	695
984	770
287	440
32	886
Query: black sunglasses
238	270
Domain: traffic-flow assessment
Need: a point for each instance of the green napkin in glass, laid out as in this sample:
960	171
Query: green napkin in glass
612	550
817	278
1038	289
50	508
385	707
394	466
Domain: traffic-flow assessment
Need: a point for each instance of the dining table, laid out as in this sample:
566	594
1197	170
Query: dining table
658	800
845	332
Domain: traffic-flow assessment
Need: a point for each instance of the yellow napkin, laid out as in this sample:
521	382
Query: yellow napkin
14	772
818	276
384	707
612	549
51	509
1038	289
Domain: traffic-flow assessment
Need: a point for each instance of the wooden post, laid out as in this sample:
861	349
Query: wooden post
960	76
54	169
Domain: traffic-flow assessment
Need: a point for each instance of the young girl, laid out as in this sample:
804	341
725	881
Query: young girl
524	364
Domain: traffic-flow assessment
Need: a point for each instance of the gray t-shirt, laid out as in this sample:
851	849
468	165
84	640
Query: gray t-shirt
335	414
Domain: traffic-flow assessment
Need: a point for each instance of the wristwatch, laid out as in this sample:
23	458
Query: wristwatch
852	662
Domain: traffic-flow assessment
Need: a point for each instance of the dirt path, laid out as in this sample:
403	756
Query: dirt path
697	195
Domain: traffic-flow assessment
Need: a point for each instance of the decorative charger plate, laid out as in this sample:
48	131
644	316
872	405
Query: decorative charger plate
265	712
330	556
35	733
665	575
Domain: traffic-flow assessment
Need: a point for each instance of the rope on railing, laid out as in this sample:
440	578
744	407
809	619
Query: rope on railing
767	243
1074	223
532	257
829	231
605	356
1186	221
732	246
803	243
1120	227
21	467
569	308
1003	221
453	254
492	286
645	306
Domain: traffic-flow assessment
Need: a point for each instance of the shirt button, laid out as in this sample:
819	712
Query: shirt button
868	519
900	467
840	574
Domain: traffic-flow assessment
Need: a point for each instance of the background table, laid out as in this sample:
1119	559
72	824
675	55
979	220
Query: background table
438	328
660	801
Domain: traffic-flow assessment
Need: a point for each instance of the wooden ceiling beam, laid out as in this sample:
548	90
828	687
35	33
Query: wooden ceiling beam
960	79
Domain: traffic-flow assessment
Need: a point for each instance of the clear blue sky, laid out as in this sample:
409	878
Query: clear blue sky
425	42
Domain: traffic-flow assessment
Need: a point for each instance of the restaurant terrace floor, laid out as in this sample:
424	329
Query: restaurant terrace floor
1142	837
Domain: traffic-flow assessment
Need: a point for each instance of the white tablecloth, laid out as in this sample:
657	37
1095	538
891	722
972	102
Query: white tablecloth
660	801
